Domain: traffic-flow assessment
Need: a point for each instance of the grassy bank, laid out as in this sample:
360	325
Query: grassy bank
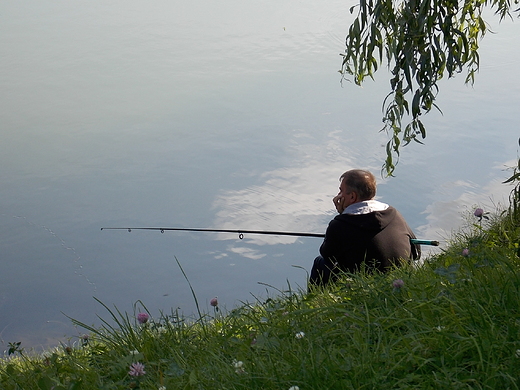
453	323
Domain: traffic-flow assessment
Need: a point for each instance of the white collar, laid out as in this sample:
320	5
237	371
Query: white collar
365	207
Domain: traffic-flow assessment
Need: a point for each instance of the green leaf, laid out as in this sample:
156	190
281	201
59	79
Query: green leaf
45	383
193	379
415	104
512	178
174	370
76	385
422	129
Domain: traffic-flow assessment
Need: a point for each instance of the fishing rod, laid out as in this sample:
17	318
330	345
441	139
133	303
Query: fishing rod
241	233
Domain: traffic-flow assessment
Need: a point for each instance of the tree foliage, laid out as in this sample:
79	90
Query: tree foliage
421	41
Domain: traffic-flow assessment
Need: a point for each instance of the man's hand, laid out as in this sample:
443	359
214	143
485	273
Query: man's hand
339	201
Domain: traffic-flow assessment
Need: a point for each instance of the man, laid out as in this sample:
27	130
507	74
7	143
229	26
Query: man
366	232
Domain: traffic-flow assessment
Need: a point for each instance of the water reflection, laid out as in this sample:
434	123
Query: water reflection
205	114
290	198
460	198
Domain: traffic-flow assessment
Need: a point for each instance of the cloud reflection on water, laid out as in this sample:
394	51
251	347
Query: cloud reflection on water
458	199
295	197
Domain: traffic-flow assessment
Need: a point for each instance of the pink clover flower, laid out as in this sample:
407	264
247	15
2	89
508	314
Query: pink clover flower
136	369
478	213
142	318
398	283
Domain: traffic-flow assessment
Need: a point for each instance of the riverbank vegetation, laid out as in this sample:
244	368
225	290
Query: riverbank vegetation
453	322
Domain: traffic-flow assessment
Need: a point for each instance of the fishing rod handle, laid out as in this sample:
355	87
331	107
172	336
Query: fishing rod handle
424	242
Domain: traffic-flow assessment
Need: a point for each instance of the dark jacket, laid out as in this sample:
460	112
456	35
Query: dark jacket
379	238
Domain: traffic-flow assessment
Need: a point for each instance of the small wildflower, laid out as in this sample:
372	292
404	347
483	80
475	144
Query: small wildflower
46	355
239	366
162	388
398	283
142	318
84	339
136	369
300	335
134	352
214	302
479	213
517	353
294	388
161	330
465	252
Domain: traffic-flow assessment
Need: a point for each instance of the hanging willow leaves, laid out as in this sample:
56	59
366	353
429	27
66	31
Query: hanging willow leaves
422	41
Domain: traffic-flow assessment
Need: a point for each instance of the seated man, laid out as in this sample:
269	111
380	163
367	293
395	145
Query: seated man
365	231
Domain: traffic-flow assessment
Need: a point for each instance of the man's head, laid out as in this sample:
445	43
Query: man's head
360	182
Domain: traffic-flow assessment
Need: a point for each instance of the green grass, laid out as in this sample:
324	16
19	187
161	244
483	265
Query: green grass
453	324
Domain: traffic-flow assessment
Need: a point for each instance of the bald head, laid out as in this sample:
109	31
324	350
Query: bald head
360	181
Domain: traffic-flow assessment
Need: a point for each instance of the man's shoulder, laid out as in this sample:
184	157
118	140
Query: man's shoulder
390	210
345	221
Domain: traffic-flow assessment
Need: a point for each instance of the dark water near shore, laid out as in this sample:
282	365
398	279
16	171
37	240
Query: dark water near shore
207	114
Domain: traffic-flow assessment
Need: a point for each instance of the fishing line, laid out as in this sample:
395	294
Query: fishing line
79	266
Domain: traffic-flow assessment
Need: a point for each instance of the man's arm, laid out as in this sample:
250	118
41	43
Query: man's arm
330	249
415	248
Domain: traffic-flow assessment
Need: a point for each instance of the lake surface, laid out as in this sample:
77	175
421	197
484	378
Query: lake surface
208	114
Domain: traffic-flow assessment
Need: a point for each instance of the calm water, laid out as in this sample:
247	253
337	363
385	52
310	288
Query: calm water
207	114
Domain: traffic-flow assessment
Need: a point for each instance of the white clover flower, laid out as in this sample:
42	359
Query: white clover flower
300	335
161	330
517	353
134	352
162	388
239	366
46	355
294	388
